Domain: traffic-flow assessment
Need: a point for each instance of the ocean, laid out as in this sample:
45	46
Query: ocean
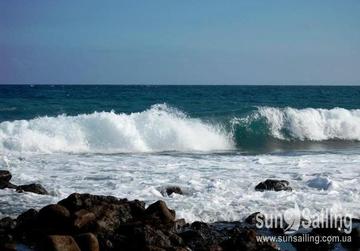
215	142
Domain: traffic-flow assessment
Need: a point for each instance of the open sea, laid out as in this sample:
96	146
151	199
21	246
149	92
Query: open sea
215	142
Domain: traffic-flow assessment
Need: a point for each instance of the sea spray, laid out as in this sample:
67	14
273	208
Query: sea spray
159	128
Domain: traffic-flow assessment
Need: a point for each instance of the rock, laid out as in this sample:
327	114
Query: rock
33	188
83	218
26	220
5	175
172	189
252	218
59	243
160	211
355	238
275	185
138	236
7	226
54	218
93	222
246	240
87	242
8	246
109	213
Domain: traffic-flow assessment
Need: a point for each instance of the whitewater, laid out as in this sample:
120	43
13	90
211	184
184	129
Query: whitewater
163	128
137	154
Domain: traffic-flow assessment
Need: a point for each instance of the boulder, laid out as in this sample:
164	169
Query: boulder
83	218
87	242
59	243
5	176
33	188
159	211
172	189
109	212
274	185
54	218
7	226
245	239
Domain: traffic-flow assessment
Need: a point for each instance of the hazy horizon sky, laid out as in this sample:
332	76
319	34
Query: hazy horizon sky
180	42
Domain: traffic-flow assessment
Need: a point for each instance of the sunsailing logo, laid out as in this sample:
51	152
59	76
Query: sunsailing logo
292	219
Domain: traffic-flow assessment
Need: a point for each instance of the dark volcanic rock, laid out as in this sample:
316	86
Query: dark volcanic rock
160	211
83	218
93	222
59	243
7	226
87	242
54	219
275	185
33	188
246	240
172	189
5	175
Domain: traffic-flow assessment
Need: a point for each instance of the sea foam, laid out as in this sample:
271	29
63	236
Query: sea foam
312	124
159	128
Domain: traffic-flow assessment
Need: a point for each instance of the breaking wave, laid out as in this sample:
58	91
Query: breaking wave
307	124
159	128
162	128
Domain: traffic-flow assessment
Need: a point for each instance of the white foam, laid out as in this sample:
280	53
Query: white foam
312	124
158	129
218	186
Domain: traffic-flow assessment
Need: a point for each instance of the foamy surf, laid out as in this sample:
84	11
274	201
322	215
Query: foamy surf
308	124
159	128
312	124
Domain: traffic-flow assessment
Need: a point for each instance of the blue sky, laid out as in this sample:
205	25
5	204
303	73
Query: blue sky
180	42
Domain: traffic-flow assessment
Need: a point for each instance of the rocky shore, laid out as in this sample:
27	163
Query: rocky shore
85	222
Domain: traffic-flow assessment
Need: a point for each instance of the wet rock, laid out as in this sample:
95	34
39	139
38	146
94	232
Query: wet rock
59	243
83	218
138	236
275	185
5	176
54	218
92	222
8	246
26	220
161	212
316	233
87	242
355	239
7	226
172	189
252	218
33	188
109	213
246	240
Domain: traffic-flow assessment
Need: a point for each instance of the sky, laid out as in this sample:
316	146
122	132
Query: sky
180	42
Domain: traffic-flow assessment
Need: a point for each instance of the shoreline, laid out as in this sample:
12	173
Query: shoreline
96	222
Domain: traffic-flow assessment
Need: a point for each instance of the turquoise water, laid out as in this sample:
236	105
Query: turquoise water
215	142
256	118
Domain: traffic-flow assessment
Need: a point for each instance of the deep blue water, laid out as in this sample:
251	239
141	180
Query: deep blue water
26	102
220	105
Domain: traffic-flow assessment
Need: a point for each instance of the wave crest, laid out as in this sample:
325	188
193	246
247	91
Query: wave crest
159	128
302	124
